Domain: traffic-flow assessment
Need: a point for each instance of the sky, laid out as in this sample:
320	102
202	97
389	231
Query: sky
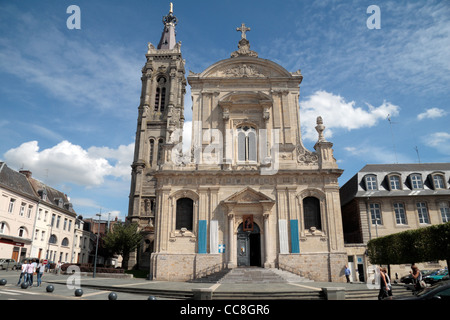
69	97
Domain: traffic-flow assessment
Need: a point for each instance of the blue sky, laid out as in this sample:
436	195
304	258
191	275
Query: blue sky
69	98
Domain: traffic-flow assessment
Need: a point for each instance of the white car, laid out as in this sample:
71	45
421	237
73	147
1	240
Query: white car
8	263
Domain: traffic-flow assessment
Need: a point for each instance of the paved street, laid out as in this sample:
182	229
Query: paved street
61	290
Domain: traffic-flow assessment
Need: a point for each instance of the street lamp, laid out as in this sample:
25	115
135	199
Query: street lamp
96	248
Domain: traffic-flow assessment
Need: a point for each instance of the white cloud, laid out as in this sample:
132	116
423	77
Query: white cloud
440	141
68	163
375	154
432	113
339	114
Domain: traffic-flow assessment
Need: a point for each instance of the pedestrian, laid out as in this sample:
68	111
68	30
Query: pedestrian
383	285
347	273
30	271
388	282
40	272
416	278
23	272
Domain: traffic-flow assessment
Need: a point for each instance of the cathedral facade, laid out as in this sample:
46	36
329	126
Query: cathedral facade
248	193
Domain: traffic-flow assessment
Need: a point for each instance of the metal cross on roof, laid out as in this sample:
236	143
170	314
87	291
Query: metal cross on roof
243	29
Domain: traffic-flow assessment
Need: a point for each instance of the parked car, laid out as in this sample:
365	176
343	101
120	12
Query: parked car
19	264
438	291
431	279
8	263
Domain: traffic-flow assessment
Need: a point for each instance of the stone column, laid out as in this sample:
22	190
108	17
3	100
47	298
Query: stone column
232	259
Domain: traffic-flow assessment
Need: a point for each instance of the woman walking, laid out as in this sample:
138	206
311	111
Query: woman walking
40	271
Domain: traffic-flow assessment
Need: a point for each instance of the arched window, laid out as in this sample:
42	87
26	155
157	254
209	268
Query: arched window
311	213
160	96
65	242
152	150
246	144
160	150
52	239
185	214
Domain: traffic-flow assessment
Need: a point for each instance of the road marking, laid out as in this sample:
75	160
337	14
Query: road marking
10	293
130	284
20	292
95	293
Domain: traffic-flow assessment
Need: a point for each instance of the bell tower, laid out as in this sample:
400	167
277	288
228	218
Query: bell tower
160	113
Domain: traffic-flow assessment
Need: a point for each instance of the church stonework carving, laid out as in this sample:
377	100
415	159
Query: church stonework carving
192	210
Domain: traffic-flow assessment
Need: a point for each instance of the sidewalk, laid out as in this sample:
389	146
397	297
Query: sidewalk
208	291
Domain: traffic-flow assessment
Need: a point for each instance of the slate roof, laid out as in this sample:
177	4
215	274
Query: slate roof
15	181
355	187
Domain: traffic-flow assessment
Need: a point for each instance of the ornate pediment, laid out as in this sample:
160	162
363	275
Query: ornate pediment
248	195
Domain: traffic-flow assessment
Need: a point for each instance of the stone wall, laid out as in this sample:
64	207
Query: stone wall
321	267
185	267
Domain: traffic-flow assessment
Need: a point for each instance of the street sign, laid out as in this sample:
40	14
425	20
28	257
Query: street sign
45	261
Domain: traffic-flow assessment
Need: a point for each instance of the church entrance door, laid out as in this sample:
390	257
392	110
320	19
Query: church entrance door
248	247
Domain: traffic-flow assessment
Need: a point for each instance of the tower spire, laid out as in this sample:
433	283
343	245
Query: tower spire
168	40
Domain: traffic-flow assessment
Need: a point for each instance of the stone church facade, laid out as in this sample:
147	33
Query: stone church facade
248	193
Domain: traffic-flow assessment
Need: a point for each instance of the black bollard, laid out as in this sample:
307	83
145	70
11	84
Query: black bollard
112	296
24	285
78	292
151	298
3	282
50	288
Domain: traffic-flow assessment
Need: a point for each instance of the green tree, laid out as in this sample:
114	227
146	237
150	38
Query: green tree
123	240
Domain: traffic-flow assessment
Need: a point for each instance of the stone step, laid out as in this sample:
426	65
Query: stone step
289	276
260	275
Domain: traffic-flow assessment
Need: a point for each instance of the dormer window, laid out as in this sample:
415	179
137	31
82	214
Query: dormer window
394	182
438	181
371	182
416	181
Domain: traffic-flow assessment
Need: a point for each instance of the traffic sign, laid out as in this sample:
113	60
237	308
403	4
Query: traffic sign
45	261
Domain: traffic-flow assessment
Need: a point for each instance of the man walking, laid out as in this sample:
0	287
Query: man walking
23	272
347	273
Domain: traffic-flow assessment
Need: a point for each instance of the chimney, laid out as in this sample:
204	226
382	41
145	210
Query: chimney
26	173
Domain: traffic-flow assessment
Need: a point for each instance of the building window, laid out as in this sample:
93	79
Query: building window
11	205
42	235
70	225
65	242
22	232
160	96
311	213
36	234
400	216
416	181
445	211
152	150
58	220
39	214
375	213
65	224
247	149
30	209
185	214
438	181
2	227
423	213
160	151
394	182
371	183
52	239
22	209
